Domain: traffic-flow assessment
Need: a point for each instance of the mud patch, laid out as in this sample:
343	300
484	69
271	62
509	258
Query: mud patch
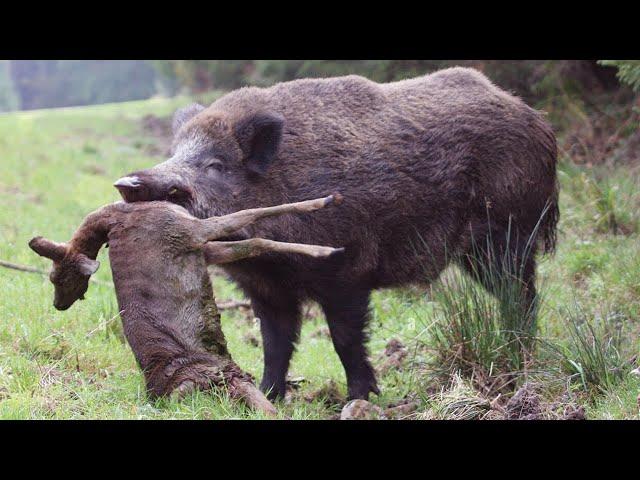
525	404
15	192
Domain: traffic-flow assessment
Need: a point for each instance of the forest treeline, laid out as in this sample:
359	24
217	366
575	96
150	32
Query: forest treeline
31	84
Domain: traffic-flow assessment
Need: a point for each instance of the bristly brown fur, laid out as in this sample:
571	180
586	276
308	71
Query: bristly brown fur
429	167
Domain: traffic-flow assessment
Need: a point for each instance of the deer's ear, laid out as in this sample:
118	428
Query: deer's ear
259	137
86	265
49	249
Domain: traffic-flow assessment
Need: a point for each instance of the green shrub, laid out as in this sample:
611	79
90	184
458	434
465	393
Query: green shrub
628	71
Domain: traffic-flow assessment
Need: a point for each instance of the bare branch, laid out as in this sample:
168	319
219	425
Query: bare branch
254	398
228	305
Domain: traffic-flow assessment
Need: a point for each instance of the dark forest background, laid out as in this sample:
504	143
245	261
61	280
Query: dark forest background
33	84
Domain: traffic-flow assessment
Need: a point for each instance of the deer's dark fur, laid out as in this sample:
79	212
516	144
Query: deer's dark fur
159	255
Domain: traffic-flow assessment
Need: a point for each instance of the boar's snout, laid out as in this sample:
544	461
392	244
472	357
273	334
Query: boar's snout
131	188
140	187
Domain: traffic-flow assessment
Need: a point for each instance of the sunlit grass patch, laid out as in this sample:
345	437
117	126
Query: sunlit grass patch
593	354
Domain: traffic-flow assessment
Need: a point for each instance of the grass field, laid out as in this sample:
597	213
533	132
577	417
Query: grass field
58	165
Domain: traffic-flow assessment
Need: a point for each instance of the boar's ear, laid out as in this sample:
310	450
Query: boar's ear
259	136
86	265
46	248
185	114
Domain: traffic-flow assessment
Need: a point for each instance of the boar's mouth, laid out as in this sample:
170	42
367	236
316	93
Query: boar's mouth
138	188
132	189
135	189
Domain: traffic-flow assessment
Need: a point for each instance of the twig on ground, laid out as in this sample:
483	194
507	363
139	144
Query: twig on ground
230	304
30	269
234	304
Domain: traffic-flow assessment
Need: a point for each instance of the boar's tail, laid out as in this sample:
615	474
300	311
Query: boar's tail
551	213
549	223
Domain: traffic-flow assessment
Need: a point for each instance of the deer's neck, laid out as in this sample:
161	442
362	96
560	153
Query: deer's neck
93	233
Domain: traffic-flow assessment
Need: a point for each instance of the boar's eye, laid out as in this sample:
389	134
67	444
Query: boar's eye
215	165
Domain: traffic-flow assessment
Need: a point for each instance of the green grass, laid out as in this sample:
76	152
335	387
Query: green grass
58	165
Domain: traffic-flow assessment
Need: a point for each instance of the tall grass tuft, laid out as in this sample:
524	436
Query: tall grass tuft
489	339
592	354
486	324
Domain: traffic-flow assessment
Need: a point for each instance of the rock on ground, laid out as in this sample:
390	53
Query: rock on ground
361	410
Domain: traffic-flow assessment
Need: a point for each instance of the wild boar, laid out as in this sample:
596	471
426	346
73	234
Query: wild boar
429	167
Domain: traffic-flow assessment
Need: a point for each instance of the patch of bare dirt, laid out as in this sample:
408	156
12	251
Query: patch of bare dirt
11	191
528	404
95	169
330	395
525	404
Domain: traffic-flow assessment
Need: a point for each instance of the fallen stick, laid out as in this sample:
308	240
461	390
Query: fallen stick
234	304
30	269
225	305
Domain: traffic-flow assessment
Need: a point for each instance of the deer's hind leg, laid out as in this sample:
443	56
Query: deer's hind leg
226	252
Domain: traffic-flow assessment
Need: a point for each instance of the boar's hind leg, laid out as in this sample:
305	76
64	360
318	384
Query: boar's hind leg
280	328
497	268
347	315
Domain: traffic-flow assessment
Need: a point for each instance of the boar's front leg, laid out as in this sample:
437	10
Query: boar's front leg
347	313
280	329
